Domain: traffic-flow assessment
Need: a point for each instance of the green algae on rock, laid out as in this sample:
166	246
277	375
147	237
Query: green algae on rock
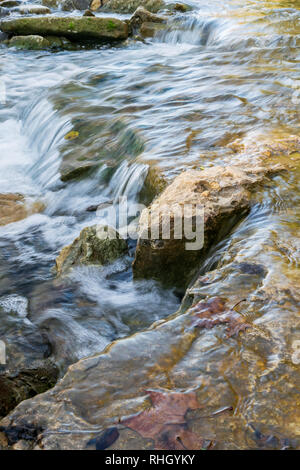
76	28
99	244
31	42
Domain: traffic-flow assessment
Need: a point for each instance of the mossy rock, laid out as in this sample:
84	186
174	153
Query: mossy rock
99	245
73	27
58	42
32	42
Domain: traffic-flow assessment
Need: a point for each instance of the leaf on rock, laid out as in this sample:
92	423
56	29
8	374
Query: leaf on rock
165	421
215	312
71	135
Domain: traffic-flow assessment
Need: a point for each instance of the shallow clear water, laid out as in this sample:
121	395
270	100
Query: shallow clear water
221	72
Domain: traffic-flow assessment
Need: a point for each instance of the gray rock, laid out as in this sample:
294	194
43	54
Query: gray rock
27	9
77	28
33	42
29	368
125	6
10	3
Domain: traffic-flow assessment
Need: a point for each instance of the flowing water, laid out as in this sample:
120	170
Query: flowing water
221	72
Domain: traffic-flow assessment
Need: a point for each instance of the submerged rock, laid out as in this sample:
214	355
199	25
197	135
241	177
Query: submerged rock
99	244
56	42
29	42
223	195
108	143
77	28
13	208
28	370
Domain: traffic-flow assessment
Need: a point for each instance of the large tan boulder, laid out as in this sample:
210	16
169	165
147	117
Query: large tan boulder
215	199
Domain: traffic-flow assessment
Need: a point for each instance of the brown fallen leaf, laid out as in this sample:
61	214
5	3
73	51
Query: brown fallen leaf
215	312
165	421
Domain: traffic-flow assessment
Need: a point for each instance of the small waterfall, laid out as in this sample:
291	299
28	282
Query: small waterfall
193	29
128	180
45	131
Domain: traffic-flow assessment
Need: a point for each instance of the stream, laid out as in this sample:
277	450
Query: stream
223	72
